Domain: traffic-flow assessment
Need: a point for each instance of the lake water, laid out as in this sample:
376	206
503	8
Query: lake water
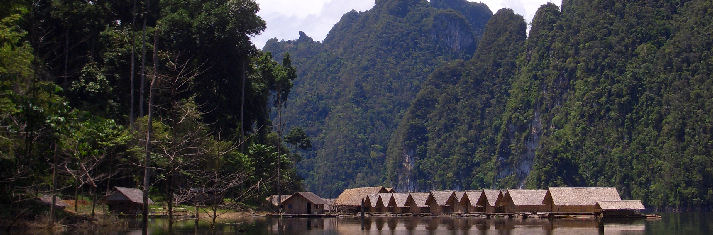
685	223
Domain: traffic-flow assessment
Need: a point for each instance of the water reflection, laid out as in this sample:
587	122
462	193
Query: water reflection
452	225
689	224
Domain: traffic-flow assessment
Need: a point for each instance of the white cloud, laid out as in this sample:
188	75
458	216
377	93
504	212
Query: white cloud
285	18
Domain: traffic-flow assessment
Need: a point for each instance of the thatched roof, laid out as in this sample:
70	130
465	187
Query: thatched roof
491	195
442	197
273	199
311	197
353	196
420	199
131	194
524	197
473	196
621	205
373	199
578	196
459	196
400	199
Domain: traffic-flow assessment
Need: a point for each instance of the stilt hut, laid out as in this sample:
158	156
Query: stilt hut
302	203
128	201
375	204
401	203
443	201
469	201
623	208
420	200
523	200
578	199
389	203
457	207
350	200
487	202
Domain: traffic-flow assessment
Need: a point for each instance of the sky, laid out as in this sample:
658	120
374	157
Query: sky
285	18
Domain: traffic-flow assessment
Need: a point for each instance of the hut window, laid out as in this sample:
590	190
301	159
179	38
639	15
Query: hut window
289	206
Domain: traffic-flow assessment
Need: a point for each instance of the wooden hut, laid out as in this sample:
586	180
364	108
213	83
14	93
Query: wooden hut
350	200
523	200
457	207
622	208
389	203
402	204
488	202
304	203
373	204
420	200
443	202
469	201
126	200
578	199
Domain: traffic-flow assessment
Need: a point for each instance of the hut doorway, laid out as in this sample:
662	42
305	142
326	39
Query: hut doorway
309	208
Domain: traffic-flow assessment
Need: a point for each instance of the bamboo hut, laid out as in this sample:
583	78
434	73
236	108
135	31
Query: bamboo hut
304	203
420	201
350	200
457	207
388	200
578	199
402	203
622	208
126	200
373	204
488	201
522	200
469	201
442	202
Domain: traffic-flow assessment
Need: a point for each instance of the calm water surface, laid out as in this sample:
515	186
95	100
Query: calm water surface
686	223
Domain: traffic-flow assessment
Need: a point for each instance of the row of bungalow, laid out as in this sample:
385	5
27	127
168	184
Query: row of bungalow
554	200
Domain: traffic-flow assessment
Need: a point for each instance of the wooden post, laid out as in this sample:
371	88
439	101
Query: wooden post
362	208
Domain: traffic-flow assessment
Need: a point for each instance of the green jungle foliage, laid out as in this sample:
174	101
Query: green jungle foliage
602	93
451	126
75	81
353	88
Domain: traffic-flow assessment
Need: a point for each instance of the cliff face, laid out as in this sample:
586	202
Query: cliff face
353	88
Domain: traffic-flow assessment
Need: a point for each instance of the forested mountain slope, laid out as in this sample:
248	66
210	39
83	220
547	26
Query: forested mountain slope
603	93
353	88
451	127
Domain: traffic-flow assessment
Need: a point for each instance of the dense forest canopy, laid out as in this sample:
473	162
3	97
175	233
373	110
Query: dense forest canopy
85	82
